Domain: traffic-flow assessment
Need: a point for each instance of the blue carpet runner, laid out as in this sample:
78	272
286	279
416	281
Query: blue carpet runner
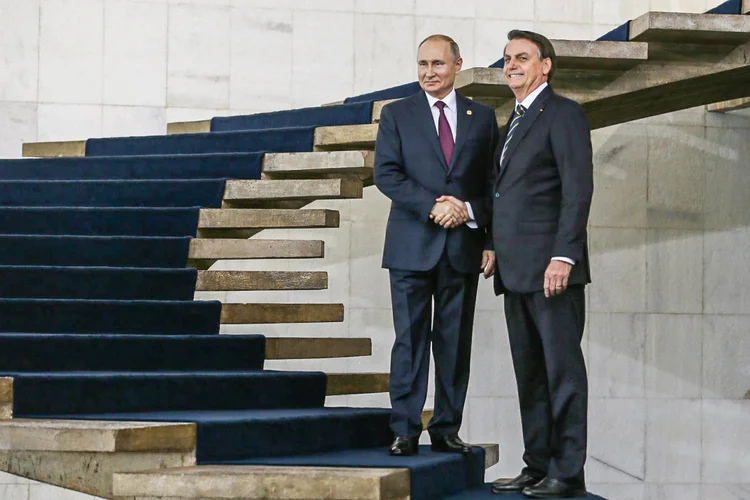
48	394
110	251
113	283
282	140
196	166
63	352
113	193
99	221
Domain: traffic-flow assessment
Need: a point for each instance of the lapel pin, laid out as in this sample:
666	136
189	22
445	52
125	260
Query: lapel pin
468	112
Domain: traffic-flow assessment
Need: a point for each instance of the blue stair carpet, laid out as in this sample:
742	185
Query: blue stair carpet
433	475
101	221
245	434
485	493
397	92
282	140
108	283
127	193
181	317
327	116
61	352
49	394
198	166
110	251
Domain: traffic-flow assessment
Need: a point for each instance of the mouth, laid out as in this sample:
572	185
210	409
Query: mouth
516	76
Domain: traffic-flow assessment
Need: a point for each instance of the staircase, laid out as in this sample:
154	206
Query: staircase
116	382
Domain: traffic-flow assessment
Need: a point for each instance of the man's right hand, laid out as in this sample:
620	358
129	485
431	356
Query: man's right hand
449	212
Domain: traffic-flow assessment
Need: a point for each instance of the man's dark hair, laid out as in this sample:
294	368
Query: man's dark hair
543	45
455	51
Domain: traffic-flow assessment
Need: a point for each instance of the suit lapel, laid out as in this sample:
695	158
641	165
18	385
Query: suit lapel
527	121
464	120
423	115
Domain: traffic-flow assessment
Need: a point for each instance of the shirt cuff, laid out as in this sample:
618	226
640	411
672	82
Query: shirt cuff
564	259
471	222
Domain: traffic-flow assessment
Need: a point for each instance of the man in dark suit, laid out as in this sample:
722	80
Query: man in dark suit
542	194
433	159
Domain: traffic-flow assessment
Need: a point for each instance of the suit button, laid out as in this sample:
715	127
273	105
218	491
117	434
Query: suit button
497	195
448	180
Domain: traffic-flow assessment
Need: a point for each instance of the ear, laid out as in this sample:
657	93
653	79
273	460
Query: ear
546	66
459	63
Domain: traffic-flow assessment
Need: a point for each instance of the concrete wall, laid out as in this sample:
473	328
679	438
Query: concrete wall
668	313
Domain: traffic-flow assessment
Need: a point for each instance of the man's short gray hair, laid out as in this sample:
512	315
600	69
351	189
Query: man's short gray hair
455	51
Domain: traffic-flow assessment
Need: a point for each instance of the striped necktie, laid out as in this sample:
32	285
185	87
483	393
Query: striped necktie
520	110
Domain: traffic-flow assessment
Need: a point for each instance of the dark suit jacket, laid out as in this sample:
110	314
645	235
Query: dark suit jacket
410	169
542	195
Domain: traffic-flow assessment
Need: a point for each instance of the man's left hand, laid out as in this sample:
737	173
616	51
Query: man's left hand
556	278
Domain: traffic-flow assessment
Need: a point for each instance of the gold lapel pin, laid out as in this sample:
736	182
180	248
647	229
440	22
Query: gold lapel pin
468	112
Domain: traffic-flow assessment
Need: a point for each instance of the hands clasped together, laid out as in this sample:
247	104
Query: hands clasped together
449	212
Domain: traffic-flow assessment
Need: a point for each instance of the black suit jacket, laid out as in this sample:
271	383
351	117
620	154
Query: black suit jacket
410	169
542	195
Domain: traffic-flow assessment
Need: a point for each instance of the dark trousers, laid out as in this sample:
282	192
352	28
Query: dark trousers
449	330
545	342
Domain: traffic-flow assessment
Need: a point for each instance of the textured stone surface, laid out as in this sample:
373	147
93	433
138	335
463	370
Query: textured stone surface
247	193
618	268
616	457
54	149
87	472
356	383
673	441
674	260
320	164
260	280
726	350
674	343
193	127
684	27
308	348
726	439
616	355
262	482
203	249
281	313
95	436
346	137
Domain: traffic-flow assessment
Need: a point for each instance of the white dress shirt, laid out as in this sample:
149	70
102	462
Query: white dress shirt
451	114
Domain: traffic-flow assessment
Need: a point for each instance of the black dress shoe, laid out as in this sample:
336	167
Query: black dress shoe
517	484
404	446
450	444
554	488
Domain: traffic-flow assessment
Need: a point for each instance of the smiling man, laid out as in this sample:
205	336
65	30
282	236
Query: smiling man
542	194
433	159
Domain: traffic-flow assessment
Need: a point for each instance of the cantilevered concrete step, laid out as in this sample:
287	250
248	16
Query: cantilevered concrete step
317	348
243	222
346	137
680	27
275	192
6	398
318	165
191	127
54	149
228	281
356	383
731	105
256	482
601	57
82	455
95	436
265	482
281	313
207	249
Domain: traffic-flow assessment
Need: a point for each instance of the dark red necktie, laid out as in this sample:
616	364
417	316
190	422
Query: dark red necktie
445	136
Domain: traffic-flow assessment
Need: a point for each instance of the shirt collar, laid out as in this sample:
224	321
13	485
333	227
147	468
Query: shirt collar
449	100
532	97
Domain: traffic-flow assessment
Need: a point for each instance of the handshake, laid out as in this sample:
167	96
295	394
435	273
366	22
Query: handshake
449	212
